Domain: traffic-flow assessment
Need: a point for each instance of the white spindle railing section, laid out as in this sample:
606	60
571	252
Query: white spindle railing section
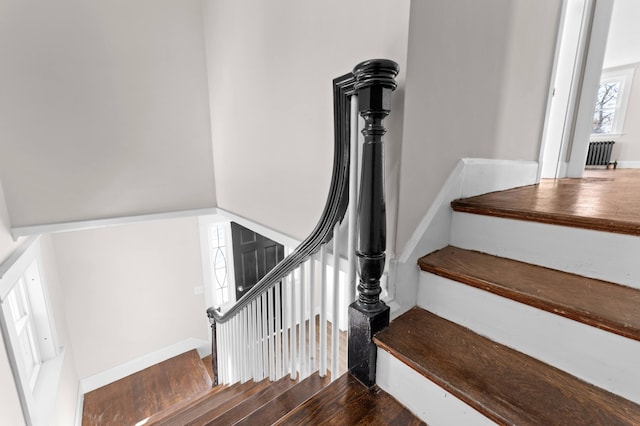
291	328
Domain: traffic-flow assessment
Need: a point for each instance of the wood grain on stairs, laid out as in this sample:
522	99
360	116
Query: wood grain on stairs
200	410
282	404
601	304
501	383
145	393
347	402
605	200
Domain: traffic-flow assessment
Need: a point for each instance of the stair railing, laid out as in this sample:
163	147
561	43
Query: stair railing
272	331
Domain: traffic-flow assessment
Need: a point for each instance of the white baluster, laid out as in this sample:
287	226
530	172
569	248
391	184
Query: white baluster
335	330
322	368
270	341
222	353
259	357
234	351
293	358
265	335
278	333
246	360
302	353
312	315
286	325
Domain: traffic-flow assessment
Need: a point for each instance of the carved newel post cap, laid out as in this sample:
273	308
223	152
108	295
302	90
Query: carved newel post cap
376	72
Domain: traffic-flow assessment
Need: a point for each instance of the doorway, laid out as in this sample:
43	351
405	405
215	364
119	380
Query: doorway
253	256
580	52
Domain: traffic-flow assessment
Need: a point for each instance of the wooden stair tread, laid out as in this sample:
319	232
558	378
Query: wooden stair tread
501	383
282	404
347	402
603	201
248	404
601	304
217	400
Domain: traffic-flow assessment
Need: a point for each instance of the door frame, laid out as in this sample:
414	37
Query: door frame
570	155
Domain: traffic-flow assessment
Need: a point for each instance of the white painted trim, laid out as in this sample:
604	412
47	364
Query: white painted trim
596	37
103	378
471	176
272	234
629	164
604	359
20	231
79	407
428	401
625	77
15	265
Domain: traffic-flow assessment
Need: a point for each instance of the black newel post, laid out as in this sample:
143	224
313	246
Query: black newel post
375	81
214	347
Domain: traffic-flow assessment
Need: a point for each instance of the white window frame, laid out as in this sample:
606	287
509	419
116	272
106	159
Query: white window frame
625	77
206	223
37	391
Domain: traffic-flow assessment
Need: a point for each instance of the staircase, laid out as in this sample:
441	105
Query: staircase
315	400
530	316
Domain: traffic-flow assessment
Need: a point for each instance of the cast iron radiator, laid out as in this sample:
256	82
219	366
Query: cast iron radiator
600	154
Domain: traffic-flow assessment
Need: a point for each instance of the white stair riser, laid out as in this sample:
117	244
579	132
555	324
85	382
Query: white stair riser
594	254
428	401
604	359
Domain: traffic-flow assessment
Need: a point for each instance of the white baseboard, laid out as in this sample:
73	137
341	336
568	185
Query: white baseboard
470	177
629	164
123	370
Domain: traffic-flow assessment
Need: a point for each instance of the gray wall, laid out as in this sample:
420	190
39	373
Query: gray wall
271	66
478	75
104	110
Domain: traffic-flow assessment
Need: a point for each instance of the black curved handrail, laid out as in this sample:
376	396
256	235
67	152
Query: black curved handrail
334	210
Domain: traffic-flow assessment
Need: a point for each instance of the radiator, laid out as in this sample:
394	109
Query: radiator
600	154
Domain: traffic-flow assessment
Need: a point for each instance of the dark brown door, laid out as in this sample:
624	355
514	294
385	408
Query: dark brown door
253	256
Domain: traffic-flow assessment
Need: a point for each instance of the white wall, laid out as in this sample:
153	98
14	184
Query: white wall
627	147
623	42
104	109
271	66
477	79
129	290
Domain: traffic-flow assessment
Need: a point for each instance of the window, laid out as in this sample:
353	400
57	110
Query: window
611	102
217	260
20	311
29	332
219	264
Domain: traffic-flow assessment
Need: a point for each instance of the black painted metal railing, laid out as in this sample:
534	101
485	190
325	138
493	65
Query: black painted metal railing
372	81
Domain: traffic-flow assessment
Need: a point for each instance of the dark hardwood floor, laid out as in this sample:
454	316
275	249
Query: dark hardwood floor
604	200
137	397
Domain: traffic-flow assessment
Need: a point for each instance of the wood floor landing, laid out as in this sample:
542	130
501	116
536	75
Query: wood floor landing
604	200
141	395
601	304
501	383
